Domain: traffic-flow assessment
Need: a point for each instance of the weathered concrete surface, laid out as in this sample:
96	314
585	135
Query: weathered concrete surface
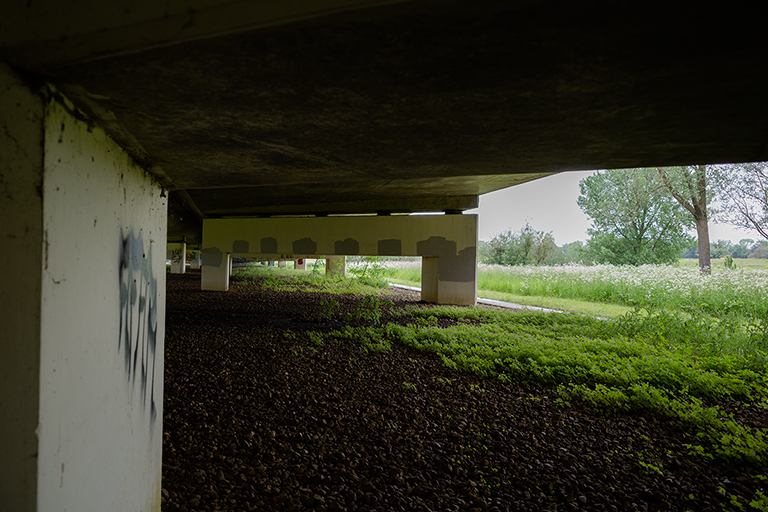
21	231
419	105
82	312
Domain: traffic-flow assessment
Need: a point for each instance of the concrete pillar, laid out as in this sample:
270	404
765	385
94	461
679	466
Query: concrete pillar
447	244
281	263
301	264
193	258
81	350
430	272
336	266
216	268
177	254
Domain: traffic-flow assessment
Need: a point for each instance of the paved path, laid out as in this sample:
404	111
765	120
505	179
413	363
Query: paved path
490	302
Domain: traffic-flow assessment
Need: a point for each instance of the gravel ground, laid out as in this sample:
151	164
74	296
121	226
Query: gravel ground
257	417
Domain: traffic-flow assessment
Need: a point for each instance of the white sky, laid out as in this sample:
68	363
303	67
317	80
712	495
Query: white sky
549	204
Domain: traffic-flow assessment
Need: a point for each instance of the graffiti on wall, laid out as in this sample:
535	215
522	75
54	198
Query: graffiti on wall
191	256
176	256
138	318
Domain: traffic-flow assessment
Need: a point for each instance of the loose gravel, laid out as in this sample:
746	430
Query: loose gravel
258	417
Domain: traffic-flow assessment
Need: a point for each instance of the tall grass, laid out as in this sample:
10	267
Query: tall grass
649	286
742	293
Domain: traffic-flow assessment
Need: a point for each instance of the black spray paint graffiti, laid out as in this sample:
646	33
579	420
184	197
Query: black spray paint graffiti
176	256
138	317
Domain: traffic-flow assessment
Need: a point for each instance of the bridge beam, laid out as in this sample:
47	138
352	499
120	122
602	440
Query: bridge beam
447	244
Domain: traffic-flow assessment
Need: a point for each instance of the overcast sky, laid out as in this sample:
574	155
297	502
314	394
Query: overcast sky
549	204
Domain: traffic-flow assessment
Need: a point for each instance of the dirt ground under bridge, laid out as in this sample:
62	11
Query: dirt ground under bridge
257	417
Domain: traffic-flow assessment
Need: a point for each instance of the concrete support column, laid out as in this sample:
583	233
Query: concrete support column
437	285
336	266
300	264
177	253
193	257
281	263
216	269
430	272
82	313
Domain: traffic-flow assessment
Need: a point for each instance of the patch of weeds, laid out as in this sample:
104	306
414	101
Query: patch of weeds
316	338
369	270
370	339
409	386
760	502
328	308
370	308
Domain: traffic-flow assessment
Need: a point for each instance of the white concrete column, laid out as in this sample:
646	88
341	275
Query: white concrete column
216	268
82	312
336	266
177	253
22	114
300	264
430	271
193	256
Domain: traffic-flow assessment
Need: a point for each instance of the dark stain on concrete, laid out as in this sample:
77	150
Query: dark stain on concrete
304	246
269	245
453	266
212	257
390	247
241	246
348	246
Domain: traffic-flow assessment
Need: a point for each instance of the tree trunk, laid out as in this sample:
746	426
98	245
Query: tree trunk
702	232
696	203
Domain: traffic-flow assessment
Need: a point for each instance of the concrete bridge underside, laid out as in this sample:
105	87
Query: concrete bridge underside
130	124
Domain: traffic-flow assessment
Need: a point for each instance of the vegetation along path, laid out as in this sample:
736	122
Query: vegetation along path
295	395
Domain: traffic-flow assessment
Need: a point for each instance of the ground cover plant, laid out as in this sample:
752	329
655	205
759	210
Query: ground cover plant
294	399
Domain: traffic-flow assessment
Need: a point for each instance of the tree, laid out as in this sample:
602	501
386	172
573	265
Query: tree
761	251
744	189
743	248
688	185
634	219
721	249
524	247
575	252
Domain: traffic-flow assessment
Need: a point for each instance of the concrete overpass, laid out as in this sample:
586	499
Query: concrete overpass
130	124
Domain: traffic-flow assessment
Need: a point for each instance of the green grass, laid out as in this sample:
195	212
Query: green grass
561	304
310	280
741	293
641	363
569	305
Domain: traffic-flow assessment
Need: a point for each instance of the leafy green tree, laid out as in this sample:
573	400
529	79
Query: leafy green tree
525	247
689	185
575	252
634	218
721	249
743	248
760	251
744	190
